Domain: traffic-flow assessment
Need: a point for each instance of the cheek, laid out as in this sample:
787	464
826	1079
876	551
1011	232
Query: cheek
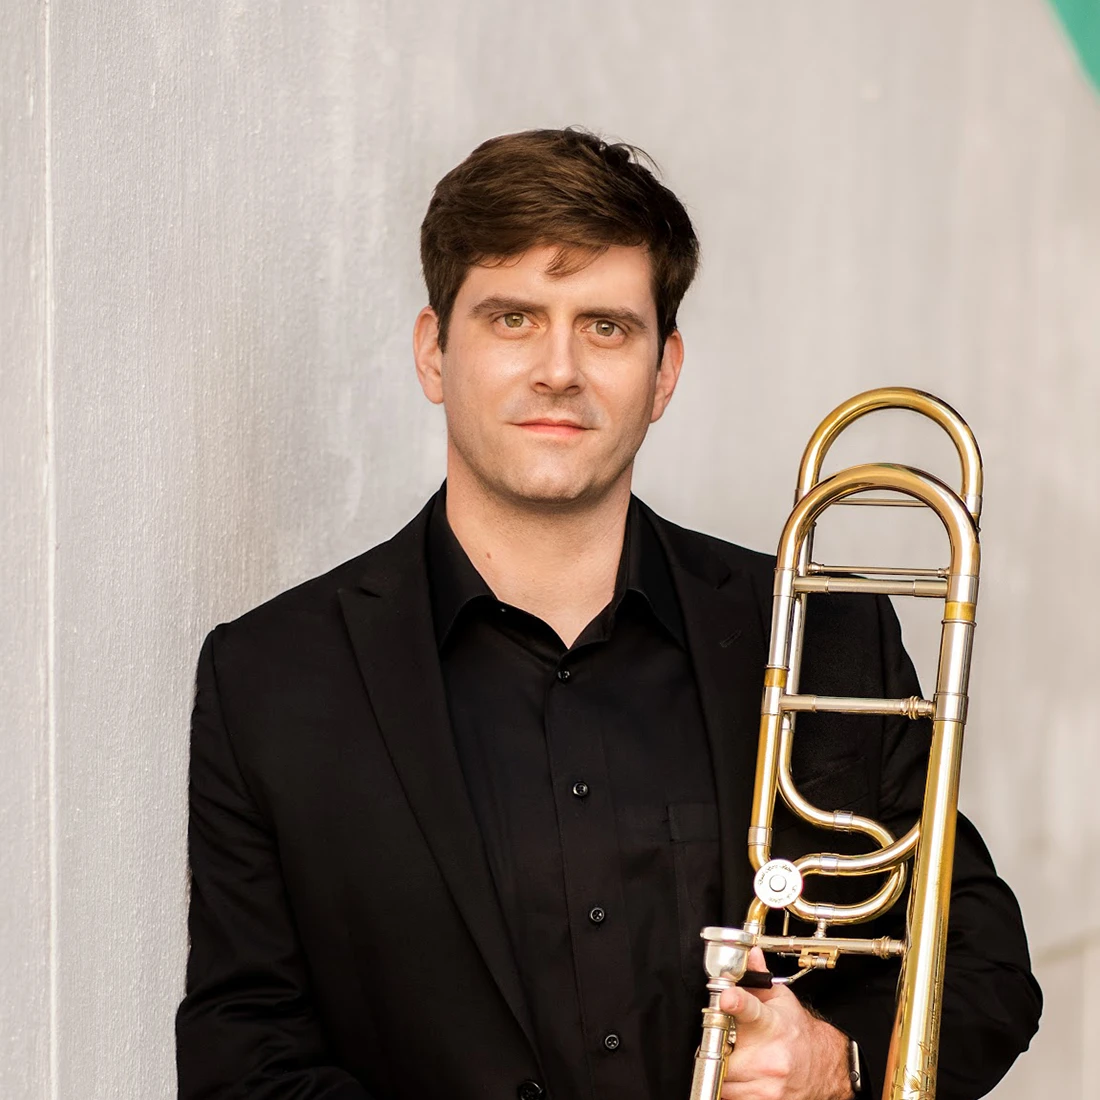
464	406
475	390
631	400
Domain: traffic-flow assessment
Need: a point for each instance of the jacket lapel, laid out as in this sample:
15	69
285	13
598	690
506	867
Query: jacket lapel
389	620
726	639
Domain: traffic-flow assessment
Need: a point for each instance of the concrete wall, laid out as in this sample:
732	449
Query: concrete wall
209	274
26	960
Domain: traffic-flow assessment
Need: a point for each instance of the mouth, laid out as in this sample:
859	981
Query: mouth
546	426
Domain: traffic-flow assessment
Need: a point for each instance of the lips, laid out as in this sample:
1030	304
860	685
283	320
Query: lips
553	427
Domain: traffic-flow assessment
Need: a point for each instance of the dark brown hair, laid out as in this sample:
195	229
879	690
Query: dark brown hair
562	187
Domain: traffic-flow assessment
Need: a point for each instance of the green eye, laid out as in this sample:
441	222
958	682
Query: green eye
513	320
605	328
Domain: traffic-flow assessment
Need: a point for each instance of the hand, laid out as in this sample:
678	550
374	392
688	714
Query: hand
783	1051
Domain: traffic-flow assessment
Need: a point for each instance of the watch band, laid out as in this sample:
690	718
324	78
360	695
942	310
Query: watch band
853	1067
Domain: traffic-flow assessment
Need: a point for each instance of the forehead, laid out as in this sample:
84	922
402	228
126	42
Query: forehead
623	275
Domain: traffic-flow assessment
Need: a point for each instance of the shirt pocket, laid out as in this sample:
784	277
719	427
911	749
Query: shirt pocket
693	833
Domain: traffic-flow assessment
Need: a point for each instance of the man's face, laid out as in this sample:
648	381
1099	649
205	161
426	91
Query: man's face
549	383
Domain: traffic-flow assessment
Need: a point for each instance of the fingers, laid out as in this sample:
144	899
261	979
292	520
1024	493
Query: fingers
739	1090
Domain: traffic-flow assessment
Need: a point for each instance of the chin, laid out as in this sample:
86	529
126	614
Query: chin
548	496
539	480
548	490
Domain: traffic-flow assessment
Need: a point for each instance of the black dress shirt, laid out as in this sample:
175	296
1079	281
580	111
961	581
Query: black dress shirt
590	777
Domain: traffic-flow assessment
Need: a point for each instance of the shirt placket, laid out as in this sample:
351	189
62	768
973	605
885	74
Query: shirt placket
592	872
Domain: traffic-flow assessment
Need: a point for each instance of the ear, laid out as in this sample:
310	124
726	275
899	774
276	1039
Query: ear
668	373
428	355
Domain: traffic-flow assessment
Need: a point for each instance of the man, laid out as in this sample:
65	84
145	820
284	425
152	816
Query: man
460	807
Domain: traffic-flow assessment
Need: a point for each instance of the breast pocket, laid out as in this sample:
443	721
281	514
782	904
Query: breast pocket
693	832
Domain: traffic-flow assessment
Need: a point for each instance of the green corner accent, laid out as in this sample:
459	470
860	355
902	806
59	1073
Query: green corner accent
1082	20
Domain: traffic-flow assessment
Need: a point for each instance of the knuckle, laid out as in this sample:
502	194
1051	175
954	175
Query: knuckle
773	1064
768	1069
783	1062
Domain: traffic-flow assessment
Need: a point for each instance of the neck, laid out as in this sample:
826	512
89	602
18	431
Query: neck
557	563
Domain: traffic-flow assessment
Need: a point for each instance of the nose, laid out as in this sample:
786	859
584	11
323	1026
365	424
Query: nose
557	367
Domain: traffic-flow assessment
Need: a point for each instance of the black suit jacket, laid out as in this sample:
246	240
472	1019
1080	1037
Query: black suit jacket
346	942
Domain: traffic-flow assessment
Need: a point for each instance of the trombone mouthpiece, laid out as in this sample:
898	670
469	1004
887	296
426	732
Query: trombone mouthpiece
726	955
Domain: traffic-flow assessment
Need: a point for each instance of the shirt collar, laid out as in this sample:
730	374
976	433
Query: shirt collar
452	578
455	582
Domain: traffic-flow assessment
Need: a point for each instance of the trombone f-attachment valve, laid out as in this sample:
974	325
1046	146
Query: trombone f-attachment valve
778	883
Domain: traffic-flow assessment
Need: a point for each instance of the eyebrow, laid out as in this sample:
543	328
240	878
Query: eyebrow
497	303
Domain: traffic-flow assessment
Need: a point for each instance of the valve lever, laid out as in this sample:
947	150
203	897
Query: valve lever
756	979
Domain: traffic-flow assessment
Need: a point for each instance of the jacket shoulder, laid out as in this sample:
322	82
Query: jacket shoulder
852	626
703	552
754	562
309	612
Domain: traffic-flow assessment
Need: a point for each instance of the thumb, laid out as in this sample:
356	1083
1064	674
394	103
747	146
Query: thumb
747	1006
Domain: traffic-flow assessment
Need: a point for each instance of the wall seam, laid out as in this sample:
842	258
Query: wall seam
51	554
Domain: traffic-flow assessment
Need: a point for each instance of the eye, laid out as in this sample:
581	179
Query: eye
513	320
605	328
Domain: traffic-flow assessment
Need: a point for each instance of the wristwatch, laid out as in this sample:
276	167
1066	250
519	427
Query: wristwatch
853	1067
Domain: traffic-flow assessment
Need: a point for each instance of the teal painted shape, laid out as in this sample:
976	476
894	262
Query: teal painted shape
1082	20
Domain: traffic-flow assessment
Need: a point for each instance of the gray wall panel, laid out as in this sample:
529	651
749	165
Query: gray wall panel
24	560
884	192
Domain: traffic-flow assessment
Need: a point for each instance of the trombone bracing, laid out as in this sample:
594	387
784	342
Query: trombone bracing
779	883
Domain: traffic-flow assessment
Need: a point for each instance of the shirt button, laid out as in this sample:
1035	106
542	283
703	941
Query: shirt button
563	674
529	1090
611	1041
580	789
596	915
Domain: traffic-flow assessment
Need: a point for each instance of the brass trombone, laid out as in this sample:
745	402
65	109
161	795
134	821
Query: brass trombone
779	883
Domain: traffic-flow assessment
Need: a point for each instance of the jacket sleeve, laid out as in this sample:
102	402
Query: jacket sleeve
991	1002
246	1026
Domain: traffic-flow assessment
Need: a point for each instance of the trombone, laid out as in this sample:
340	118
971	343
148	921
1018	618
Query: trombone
930	843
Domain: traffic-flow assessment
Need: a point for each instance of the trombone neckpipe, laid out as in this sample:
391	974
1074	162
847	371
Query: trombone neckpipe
913	707
928	589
